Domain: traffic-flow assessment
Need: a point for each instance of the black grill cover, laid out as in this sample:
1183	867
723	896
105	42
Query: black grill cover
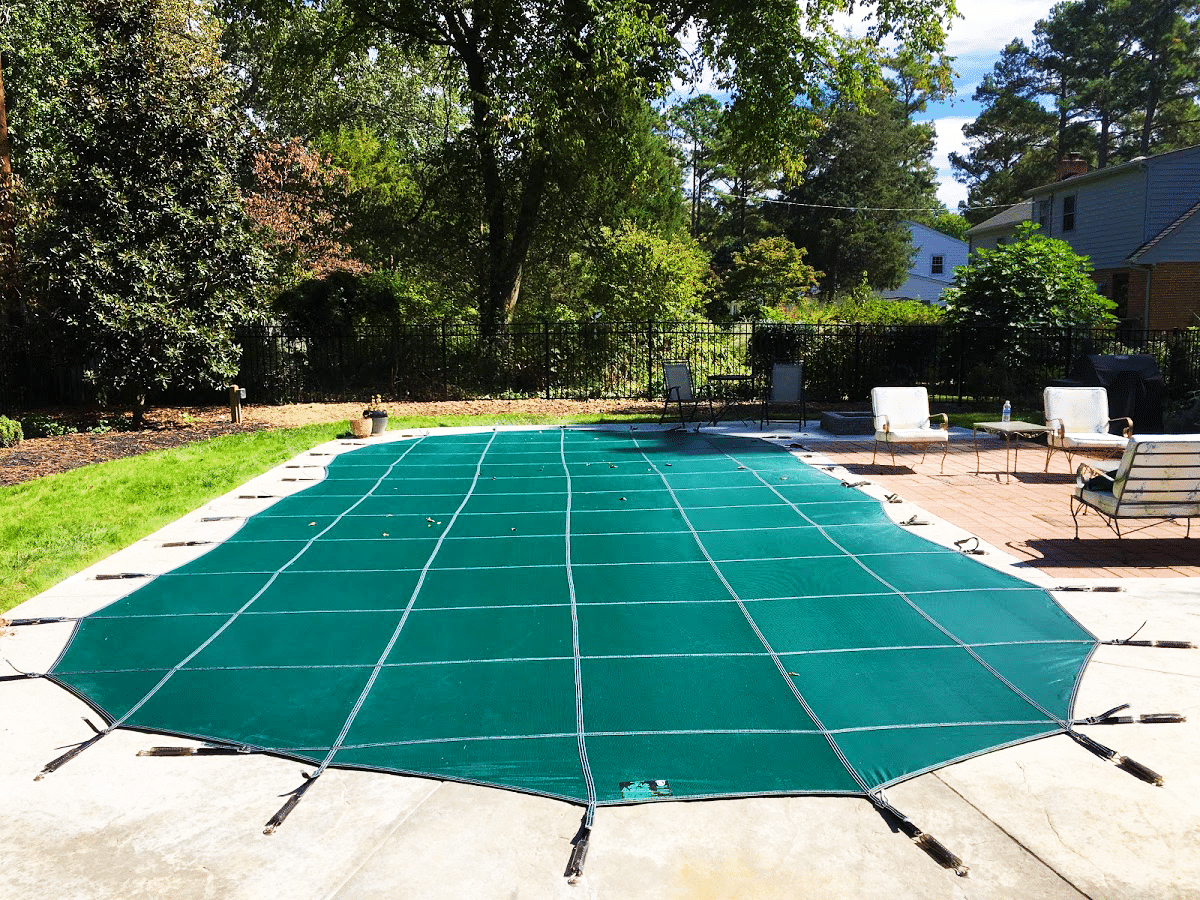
1135	389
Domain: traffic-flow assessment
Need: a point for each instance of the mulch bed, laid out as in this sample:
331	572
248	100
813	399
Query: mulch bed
174	427
36	457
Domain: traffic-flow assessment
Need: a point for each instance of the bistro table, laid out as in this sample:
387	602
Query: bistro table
1010	431
728	391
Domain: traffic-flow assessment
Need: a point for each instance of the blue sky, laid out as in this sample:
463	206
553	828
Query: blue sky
975	41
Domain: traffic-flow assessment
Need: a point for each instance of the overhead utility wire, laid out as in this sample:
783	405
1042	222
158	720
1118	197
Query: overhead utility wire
929	209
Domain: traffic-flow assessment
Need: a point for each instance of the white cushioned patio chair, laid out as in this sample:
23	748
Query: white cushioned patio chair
1158	477
677	378
902	417
1078	420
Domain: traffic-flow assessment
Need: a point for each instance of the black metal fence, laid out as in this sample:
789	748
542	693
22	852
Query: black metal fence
624	361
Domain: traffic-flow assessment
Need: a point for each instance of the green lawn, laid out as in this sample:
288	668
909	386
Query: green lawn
967	419
55	526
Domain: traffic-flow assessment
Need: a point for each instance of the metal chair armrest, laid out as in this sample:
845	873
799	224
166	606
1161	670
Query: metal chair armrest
1128	430
1109	474
885	427
1062	427
945	426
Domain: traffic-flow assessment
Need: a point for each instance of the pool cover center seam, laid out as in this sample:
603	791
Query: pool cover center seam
812	714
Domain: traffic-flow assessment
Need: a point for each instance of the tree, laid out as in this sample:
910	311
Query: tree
144	253
1165	70
1081	49
551	87
297	203
1033	282
636	276
44	44
1013	142
696	124
47	44
768	274
948	223
869	171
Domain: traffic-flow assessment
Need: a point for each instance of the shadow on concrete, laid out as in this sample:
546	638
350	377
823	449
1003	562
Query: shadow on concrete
1133	552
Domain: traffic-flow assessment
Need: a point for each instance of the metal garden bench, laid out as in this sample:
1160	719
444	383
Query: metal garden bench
1158	477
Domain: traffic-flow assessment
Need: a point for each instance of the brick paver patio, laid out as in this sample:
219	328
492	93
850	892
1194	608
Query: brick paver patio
1028	516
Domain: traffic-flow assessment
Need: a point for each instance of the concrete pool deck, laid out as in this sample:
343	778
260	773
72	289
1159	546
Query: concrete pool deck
1045	819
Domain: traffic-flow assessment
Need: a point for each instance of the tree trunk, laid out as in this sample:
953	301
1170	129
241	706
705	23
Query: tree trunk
506	253
139	411
1102	140
1152	95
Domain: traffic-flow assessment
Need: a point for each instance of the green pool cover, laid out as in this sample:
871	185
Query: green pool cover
600	616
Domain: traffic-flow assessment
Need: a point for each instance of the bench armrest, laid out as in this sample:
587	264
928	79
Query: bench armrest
1127	431
1107	472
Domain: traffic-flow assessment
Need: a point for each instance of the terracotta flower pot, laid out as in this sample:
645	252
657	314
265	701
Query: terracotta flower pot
361	427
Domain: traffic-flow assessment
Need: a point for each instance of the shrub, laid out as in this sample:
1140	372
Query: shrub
858	304
1034	282
36	426
11	432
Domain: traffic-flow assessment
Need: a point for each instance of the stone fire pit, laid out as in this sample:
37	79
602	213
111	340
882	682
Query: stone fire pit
847	422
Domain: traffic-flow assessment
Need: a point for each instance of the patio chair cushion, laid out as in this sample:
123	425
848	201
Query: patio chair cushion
905	411
912	436
1102	500
1079	410
1084	441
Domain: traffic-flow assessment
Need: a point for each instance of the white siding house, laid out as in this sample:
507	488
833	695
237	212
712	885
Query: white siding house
935	258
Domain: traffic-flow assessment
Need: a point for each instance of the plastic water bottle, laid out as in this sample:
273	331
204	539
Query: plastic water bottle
1006	413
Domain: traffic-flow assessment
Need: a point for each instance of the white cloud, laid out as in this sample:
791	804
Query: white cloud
987	25
949	140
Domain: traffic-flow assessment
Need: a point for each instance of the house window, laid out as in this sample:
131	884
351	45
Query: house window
936	265
1068	217
1043	215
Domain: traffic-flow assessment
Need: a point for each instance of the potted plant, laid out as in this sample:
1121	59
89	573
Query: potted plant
376	414
361	426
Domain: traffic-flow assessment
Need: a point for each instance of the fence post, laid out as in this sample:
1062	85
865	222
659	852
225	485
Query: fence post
858	372
958	332
751	342
649	356
445	366
546	348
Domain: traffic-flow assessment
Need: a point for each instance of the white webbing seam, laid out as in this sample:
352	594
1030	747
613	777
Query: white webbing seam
580	730
378	667
233	618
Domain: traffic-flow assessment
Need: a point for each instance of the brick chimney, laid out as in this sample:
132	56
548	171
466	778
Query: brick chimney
1071	164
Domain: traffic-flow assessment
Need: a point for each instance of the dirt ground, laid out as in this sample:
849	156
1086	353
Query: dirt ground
173	427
